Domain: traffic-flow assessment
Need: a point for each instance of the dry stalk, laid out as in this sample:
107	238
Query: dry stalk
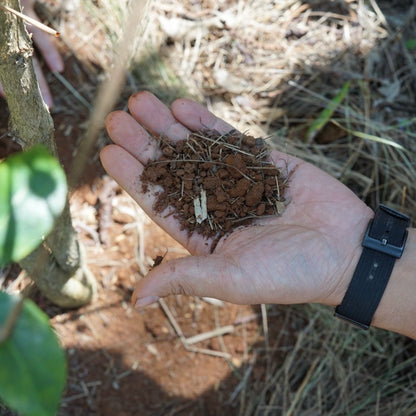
110	88
198	338
31	21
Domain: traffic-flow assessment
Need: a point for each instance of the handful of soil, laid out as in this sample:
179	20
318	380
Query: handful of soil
215	182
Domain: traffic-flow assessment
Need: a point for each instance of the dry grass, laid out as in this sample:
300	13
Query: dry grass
331	369
273	68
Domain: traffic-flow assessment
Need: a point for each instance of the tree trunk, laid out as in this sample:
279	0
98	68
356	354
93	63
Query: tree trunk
58	265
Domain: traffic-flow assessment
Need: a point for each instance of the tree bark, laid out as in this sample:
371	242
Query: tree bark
58	265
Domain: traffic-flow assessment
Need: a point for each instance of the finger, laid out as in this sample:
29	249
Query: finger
126	170
43	85
45	44
155	116
210	276
197	117
131	136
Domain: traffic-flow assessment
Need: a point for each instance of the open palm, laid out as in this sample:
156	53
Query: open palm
306	255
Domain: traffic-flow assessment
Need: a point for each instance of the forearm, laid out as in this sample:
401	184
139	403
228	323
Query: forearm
397	309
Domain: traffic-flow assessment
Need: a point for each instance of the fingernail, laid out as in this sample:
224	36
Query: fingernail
146	301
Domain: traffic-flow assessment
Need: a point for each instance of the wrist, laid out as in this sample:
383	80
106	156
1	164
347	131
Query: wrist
397	308
394	285
350	264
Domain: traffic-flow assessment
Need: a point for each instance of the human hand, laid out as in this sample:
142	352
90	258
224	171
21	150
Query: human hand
308	254
47	49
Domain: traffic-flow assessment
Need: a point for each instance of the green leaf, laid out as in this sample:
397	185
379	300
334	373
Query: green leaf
32	194
327	112
411	44
32	362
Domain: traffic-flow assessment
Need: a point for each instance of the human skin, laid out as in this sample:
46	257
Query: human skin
306	255
48	50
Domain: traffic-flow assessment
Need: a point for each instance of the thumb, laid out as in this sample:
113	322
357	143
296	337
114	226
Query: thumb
210	275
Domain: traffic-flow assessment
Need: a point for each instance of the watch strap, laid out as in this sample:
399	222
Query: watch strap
383	243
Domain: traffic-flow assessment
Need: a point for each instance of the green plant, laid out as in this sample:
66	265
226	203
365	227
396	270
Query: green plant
63	276
32	362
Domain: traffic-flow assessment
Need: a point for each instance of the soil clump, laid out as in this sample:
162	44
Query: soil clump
215	182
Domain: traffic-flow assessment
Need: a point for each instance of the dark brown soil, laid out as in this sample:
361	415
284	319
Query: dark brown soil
216	182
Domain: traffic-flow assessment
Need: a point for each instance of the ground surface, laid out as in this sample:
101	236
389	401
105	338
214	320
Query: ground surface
123	361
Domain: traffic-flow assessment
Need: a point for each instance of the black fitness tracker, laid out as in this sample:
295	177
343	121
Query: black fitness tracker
383	243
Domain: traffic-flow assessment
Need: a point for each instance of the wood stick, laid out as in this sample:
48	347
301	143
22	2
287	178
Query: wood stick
31	21
209	334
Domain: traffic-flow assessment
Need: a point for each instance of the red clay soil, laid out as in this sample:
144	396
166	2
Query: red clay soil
128	362
215	182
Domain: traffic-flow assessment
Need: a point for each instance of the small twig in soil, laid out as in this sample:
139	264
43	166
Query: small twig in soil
105	209
277	188
220	139
200	207
203	161
182	337
265	325
210	334
238	184
172	320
